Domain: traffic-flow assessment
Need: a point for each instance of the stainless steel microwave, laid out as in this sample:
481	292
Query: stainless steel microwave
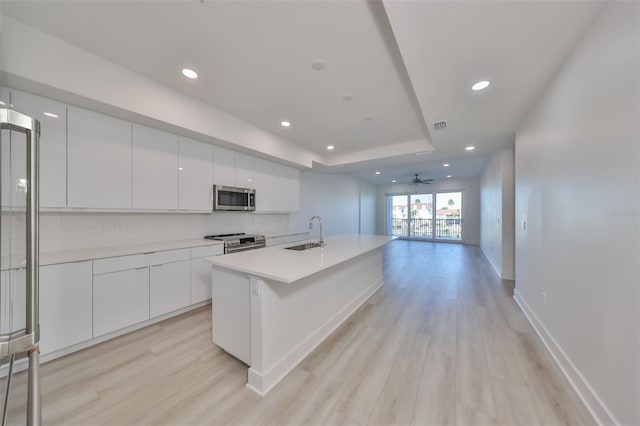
230	198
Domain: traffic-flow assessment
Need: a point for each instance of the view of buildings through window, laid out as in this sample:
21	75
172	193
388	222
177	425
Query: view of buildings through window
426	216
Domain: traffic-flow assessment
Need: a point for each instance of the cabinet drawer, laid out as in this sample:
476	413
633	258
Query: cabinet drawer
206	251
167	256
120	263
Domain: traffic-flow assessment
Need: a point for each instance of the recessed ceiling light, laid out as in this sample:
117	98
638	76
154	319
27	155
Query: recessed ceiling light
377	173
480	85
52	115
445	165
317	64
180	168
189	73
249	180
330	147
470	148
448	176
394	181
285	124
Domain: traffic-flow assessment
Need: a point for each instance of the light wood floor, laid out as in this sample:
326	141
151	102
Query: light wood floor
441	343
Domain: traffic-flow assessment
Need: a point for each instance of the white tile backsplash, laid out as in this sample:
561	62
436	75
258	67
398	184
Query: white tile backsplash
76	231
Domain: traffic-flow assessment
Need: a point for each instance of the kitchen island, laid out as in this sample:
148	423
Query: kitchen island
273	306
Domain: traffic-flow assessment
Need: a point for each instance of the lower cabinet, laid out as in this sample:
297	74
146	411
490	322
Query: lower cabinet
169	287
201	271
120	299
200	280
65	305
13	296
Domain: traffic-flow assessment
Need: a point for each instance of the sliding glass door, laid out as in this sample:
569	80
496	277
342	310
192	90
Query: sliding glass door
428	216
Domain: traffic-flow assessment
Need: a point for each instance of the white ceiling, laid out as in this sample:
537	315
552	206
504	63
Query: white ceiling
406	64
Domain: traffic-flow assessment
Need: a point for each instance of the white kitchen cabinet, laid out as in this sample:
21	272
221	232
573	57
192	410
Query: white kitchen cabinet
13	296
155	169
264	182
224	166
53	145
195	175
120	299
169	287
201	272
244	171
99	160
65	305
289	182
277	187
13	155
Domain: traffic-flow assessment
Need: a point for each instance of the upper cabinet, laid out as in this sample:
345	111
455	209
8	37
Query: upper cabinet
224	169
13	155
53	145
277	187
195	175
99	161
244	171
155	169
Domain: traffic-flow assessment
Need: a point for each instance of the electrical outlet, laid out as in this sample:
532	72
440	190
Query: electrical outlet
544	298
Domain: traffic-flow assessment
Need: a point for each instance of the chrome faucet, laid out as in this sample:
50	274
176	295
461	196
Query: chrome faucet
321	240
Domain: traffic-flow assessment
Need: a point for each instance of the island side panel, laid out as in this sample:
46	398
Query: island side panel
289	320
231	312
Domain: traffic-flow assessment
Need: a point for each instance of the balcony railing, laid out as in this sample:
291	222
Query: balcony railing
450	229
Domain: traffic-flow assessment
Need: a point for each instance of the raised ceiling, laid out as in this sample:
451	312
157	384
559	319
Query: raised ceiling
405	64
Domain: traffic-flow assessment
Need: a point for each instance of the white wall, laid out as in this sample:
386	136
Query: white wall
578	188
470	188
497	233
335	198
75	231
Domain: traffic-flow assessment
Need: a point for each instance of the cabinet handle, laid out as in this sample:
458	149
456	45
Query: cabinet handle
159	264
150	252
142	267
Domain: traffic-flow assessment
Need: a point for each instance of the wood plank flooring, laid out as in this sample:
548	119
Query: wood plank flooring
442	343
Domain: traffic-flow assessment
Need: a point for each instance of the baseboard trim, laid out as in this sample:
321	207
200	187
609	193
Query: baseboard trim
484	253
261	384
22	364
594	404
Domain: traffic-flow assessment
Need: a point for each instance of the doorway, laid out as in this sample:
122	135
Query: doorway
425	216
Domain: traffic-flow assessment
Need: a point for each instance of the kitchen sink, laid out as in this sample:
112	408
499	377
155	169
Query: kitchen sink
305	246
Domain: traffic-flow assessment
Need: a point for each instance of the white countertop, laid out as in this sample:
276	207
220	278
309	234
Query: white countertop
102	252
275	234
279	264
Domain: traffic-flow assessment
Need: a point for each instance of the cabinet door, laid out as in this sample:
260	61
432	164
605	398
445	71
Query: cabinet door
13	157
13	296
120	299
195	175
200	280
65	305
290	188
99	160
244	171
264	185
53	145
169	287
224	166
155	169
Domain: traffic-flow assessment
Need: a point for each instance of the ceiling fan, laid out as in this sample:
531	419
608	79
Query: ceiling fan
416	180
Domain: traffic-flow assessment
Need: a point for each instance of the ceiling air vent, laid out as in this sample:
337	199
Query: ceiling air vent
440	125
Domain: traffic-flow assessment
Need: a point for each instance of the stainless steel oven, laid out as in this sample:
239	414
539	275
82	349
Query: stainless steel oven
231	198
